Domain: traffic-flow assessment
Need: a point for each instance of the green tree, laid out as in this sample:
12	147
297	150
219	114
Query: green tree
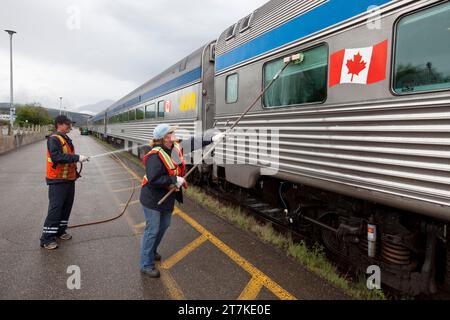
32	114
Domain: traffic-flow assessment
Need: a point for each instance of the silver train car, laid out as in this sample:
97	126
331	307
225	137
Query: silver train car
361	124
182	95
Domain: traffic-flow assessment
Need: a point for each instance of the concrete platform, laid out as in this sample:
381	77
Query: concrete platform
204	257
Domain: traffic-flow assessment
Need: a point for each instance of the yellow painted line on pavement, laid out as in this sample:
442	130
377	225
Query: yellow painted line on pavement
259	279
126	189
122	180
114	174
275	288
180	255
252	290
132	203
140	227
171	285
129	220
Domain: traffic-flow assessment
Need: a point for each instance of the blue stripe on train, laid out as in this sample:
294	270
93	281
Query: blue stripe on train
322	17
186	78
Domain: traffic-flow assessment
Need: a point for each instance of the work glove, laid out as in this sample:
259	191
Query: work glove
180	182
218	137
83	159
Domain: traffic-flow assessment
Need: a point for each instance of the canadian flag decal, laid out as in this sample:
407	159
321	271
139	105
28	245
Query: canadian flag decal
360	65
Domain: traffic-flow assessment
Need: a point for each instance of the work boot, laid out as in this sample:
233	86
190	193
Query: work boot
157	256
151	272
50	246
65	236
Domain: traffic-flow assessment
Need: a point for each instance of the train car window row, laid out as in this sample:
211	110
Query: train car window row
232	88
148	112
422	51
301	83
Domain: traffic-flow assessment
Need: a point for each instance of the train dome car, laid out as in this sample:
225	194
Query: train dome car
363	127
182	95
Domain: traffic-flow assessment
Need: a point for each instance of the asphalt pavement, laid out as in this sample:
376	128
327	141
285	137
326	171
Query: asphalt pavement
204	256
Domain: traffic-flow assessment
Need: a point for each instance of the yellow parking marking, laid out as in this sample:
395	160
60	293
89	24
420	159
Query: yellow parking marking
169	263
110	170
129	220
132	203
274	287
119	181
252	290
114	174
140	227
126	189
171	285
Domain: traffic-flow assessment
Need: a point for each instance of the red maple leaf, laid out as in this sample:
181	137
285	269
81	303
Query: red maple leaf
356	65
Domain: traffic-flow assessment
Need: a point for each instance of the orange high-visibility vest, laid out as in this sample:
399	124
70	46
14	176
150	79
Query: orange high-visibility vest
174	169
58	171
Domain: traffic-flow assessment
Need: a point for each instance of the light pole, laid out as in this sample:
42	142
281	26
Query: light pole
11	107
60	105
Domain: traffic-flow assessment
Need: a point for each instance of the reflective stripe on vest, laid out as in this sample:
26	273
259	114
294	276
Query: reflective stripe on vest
171	166
58	171
180	153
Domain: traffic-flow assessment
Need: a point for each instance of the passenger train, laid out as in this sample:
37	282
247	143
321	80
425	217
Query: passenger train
363	125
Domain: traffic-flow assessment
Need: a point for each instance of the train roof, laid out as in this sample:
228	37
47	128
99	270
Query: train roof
185	71
280	22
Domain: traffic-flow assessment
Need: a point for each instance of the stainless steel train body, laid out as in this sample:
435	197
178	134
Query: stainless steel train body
361	123
365	141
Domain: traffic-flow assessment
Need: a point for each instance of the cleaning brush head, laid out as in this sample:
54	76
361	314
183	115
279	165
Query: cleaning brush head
298	58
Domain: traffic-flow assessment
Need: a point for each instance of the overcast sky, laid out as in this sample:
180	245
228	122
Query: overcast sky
92	50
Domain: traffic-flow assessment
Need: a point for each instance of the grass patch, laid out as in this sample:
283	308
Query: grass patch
314	259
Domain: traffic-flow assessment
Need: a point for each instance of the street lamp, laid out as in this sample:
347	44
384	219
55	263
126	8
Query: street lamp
60	105
11	107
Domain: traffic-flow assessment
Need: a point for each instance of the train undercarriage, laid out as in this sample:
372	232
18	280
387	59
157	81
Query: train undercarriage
412	251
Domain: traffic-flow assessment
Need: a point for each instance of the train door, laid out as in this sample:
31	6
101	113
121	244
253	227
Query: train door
208	107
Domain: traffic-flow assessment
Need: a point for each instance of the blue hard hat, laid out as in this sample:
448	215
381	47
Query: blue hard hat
163	129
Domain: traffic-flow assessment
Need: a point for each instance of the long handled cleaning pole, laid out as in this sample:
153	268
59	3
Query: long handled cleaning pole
287	61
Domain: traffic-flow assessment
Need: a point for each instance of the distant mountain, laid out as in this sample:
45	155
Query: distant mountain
78	117
95	108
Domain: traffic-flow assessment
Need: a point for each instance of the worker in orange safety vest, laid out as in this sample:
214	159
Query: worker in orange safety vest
61	175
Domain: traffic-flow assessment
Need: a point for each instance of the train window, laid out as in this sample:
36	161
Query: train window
120	118
183	64
246	22
150	111
232	88
125	116
161	108
140	113
231	32
132	115
422	51
301	83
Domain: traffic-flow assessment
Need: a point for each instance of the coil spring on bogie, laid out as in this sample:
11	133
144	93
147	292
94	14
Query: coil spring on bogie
395	253
364	245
